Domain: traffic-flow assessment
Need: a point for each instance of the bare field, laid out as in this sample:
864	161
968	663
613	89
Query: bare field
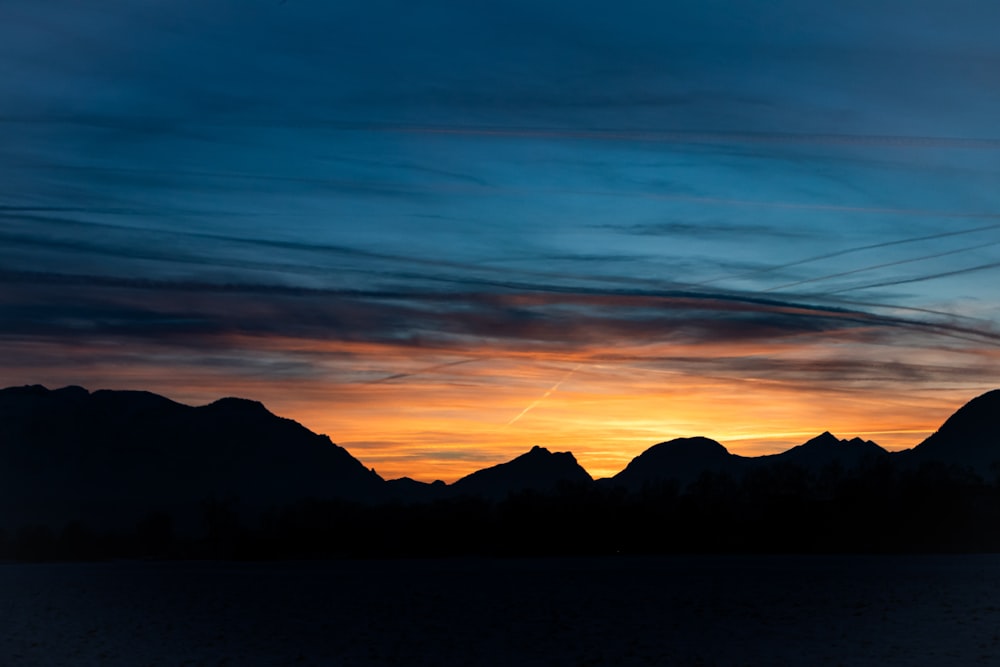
715	610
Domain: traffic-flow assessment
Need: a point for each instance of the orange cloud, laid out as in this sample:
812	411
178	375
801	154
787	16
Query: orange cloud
441	414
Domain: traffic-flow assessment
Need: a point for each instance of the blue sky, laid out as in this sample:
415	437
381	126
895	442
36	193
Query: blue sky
299	198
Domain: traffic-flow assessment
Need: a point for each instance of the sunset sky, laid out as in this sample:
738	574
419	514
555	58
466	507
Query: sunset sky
442	232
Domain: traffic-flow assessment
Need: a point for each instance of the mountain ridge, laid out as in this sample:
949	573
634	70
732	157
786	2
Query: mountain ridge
82	430
119	454
537	470
970	437
126	474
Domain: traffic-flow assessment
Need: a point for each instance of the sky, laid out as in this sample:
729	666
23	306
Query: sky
442	232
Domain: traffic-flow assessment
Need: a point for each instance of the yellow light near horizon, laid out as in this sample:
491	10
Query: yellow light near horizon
443	433
442	414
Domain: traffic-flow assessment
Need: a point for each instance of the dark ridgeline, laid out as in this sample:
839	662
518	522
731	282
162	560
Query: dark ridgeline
826	450
681	461
684	461
538	470
407	490
101	461
120	473
969	438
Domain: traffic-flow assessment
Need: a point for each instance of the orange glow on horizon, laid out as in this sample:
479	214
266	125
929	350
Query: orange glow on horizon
435	414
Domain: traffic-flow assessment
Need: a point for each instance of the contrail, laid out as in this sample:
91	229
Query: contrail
920	279
428	369
545	395
882	266
850	251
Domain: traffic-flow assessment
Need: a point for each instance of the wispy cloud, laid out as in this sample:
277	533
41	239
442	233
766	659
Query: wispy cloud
781	208
989	266
883	265
858	249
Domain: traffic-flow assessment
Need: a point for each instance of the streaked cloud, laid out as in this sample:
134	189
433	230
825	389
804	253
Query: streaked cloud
444	232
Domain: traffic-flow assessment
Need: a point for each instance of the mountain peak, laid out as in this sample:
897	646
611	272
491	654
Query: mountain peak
536	470
982	412
26	390
682	460
826	449
824	439
693	446
111	455
42	392
239	405
969	437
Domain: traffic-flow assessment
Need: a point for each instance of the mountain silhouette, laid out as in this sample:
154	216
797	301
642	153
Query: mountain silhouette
408	490
682	461
127	473
826	449
116	456
537	470
969	438
113	456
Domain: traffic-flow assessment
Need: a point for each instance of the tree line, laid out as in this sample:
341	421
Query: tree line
779	509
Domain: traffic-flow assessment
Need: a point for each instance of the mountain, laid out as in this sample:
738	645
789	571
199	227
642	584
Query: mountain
826	449
682	460
537	470
969	438
118	455
115	456
407	491
146	476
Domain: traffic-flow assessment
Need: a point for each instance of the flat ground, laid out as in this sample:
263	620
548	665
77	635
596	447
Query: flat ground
719	610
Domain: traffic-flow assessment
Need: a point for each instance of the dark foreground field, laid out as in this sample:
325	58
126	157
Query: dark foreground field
759	610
